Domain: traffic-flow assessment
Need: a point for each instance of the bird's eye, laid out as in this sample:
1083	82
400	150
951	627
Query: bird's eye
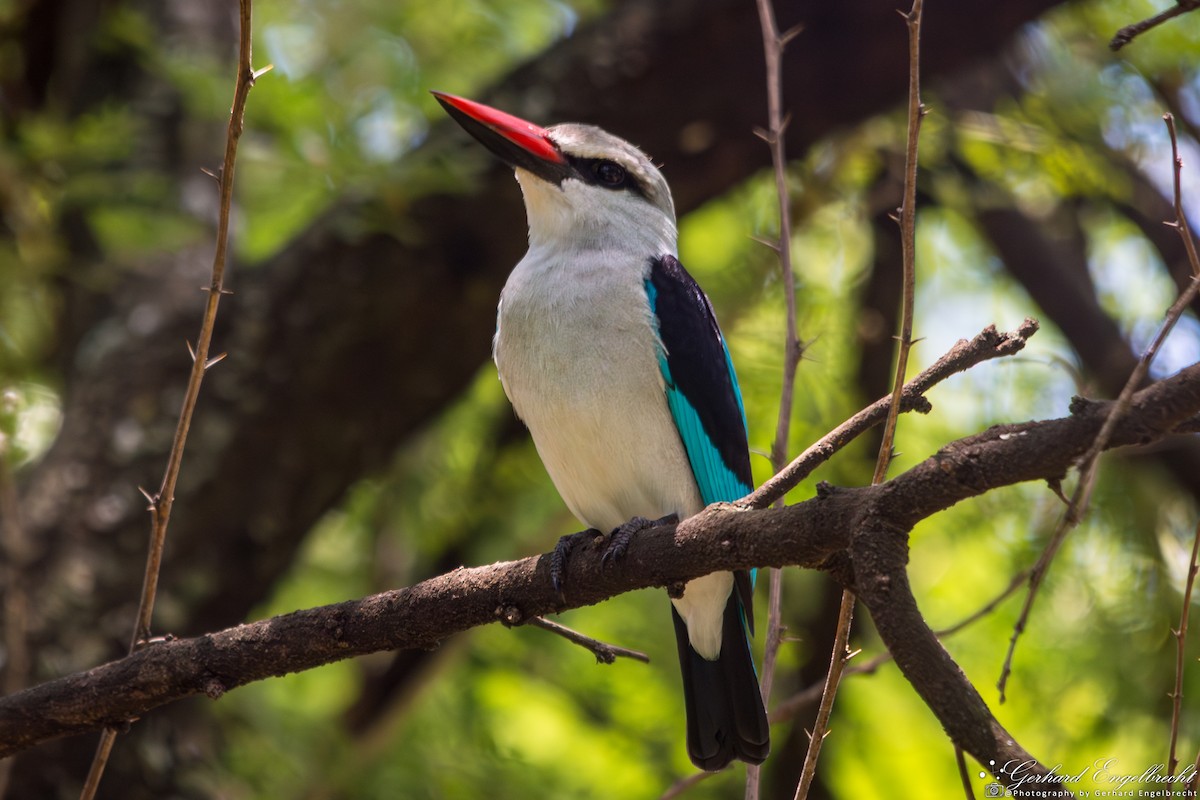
609	174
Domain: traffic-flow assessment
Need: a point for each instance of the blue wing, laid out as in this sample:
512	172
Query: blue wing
702	389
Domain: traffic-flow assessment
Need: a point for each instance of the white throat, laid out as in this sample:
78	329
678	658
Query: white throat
576	217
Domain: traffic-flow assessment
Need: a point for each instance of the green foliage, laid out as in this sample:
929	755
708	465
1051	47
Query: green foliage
350	93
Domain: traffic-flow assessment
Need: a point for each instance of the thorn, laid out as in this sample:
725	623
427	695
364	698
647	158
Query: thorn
1055	485
214	361
923	109
153	502
763	134
258	73
909	343
211	174
190	350
808	733
852	654
894	216
771	243
789	34
787	120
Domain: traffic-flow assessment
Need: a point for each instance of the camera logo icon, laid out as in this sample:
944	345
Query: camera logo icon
994	789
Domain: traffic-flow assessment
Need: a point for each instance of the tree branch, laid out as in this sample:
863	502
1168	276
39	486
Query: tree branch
1130	32
859	535
604	652
962	356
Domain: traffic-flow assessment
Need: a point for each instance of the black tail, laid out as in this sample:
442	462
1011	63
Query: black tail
725	714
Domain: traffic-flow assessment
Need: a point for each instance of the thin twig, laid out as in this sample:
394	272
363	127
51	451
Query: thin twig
963	773
988	608
1130	32
679	787
908	227
1180	635
837	664
605	653
962	356
916	110
773	47
1180	222
1194	781
162	502
792	706
1081	497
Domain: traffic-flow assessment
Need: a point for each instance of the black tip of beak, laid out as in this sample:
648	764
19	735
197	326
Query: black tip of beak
520	144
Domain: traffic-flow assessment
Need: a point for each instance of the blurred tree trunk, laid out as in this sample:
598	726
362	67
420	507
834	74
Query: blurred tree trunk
358	332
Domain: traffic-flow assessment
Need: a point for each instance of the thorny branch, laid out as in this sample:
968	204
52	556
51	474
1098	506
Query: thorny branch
773	46
1182	226
162	501
908	216
965	354
1089	465
1180	635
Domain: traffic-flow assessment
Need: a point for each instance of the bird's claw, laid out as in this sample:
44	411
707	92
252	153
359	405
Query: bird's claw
618	544
562	551
618	541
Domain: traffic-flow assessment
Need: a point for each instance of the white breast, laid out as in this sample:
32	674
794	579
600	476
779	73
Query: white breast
578	359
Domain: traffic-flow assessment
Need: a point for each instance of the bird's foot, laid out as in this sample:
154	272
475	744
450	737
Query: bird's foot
619	539
562	551
618	544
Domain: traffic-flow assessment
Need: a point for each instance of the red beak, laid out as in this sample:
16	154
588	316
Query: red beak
517	142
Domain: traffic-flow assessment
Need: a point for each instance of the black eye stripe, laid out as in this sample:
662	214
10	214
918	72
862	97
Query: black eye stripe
606	173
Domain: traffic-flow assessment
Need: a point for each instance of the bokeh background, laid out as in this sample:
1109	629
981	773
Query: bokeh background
356	437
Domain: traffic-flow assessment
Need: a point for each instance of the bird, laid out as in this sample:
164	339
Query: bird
611	355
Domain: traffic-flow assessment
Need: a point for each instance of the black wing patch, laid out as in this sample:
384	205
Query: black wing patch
702	388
